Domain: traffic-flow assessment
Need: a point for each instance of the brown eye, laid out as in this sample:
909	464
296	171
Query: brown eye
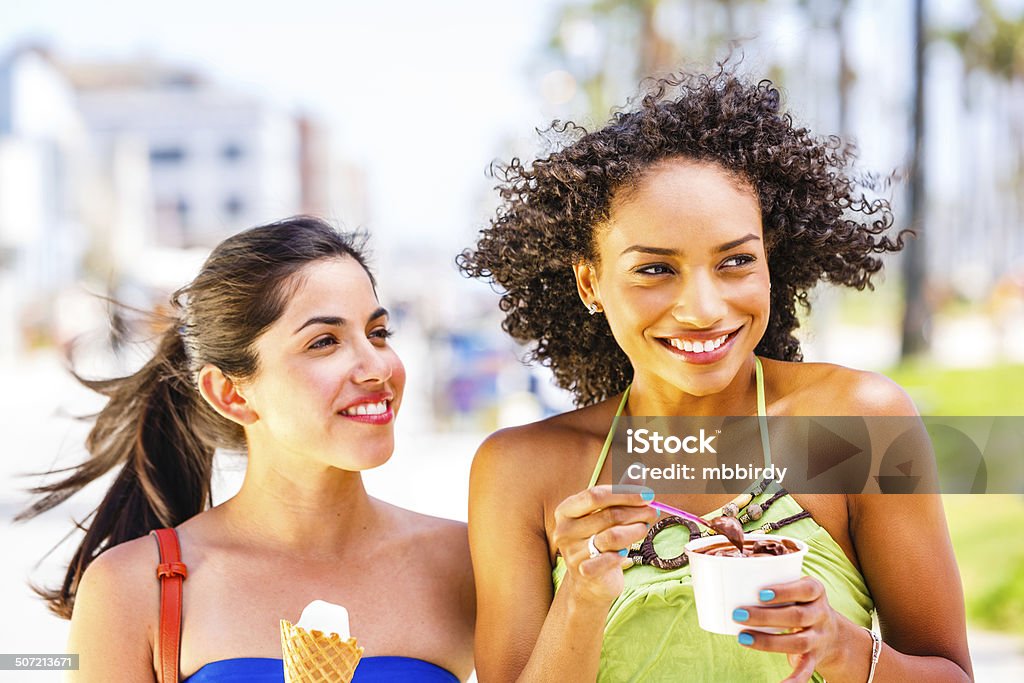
653	269
323	343
738	261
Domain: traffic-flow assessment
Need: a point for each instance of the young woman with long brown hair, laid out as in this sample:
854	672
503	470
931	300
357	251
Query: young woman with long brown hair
280	348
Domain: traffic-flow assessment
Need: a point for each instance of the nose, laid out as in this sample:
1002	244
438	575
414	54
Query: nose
373	364
700	302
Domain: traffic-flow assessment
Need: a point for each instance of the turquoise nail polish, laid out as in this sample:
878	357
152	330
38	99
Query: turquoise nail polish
746	639
647	495
624	552
658	511
740	615
766	595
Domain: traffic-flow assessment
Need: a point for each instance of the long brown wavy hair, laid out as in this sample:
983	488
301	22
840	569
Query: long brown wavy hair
155	428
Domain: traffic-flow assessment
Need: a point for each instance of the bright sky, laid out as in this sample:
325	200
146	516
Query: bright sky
423	95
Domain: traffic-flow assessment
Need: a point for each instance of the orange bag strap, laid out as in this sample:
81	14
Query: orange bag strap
171	572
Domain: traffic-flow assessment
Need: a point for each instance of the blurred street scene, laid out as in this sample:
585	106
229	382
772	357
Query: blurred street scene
131	143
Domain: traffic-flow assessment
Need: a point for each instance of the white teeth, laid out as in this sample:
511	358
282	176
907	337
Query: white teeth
698	346
378	408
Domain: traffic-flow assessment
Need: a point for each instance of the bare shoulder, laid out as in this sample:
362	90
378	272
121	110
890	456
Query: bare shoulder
544	451
439	545
123	576
116	611
439	549
829	389
447	535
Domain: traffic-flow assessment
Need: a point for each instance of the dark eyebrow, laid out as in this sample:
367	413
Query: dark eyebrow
322	320
659	251
662	251
335	321
735	243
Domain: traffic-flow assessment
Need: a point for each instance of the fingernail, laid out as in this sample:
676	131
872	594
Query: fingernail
766	595
647	495
624	552
746	639
658	511
740	615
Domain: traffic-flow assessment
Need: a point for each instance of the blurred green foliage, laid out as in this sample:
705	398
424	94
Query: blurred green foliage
986	530
994	390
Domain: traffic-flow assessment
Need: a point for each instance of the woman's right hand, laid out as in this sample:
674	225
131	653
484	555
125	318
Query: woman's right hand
616	519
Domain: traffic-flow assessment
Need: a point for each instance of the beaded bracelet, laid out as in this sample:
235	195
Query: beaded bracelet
876	650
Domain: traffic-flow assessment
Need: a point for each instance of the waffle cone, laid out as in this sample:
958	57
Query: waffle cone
315	657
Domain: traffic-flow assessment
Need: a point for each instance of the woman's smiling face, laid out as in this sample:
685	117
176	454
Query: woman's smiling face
329	383
682	276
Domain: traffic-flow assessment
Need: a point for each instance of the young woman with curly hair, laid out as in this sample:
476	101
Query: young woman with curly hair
690	228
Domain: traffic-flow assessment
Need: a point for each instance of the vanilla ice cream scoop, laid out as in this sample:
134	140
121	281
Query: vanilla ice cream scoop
325	617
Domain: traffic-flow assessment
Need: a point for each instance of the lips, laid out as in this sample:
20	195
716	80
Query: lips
701	348
375	409
698	346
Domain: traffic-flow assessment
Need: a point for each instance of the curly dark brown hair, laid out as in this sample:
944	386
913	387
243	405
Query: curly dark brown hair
818	222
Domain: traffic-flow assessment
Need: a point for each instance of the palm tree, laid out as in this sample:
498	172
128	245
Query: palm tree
916	313
608	45
992	49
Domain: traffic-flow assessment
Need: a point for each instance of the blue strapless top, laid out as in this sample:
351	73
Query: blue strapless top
370	670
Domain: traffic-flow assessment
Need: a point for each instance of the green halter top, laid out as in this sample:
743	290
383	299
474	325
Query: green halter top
651	632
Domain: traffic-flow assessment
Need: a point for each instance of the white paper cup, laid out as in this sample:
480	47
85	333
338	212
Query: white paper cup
721	584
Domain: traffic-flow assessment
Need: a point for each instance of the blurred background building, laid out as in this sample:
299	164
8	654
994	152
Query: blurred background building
128	171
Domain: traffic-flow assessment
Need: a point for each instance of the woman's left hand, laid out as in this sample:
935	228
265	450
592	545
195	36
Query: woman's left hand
814	623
